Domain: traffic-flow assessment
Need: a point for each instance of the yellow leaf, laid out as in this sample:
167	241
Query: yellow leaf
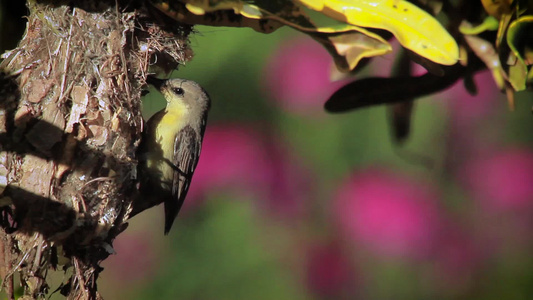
200	7
230	16
497	8
347	44
414	28
487	53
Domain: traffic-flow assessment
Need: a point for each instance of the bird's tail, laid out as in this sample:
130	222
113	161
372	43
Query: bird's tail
172	207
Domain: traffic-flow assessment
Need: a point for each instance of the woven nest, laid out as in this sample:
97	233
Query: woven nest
70	124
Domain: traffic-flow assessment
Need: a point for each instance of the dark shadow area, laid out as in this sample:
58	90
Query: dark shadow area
36	213
13	23
30	212
377	91
48	216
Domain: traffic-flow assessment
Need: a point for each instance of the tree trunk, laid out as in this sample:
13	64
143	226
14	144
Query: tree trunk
70	124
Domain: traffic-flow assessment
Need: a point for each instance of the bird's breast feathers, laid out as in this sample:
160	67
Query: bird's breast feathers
171	123
164	136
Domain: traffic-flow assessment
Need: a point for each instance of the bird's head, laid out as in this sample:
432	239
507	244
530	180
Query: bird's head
182	92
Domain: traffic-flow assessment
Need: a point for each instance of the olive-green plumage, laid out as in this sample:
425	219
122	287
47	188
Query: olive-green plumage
172	142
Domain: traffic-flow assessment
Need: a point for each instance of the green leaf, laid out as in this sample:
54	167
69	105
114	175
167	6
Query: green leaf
489	23
520	41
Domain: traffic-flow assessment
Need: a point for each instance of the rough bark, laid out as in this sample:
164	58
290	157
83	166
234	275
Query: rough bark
70	124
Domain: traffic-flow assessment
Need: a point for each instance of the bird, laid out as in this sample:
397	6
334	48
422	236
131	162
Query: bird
171	144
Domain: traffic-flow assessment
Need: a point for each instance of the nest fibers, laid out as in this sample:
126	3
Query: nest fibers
69	131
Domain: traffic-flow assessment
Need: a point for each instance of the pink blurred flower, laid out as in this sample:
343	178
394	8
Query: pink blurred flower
473	121
328	271
502	180
388	213
290	183
240	160
467	109
298	75
459	257
135	259
232	155
383	65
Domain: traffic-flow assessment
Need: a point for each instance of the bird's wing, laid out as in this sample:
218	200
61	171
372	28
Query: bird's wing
187	146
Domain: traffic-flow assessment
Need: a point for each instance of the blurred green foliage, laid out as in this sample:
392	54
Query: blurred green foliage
226	250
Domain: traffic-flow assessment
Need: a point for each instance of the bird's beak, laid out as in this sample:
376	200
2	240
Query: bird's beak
156	82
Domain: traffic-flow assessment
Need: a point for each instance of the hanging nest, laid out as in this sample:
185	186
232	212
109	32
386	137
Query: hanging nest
70	124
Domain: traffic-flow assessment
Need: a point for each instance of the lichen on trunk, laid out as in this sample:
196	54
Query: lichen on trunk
70	124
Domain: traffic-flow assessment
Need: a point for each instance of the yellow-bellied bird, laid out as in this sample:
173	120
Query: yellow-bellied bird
172	142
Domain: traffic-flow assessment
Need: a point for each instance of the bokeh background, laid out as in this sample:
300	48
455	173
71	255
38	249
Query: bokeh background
291	202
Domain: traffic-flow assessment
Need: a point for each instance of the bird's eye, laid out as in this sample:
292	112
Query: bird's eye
178	91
